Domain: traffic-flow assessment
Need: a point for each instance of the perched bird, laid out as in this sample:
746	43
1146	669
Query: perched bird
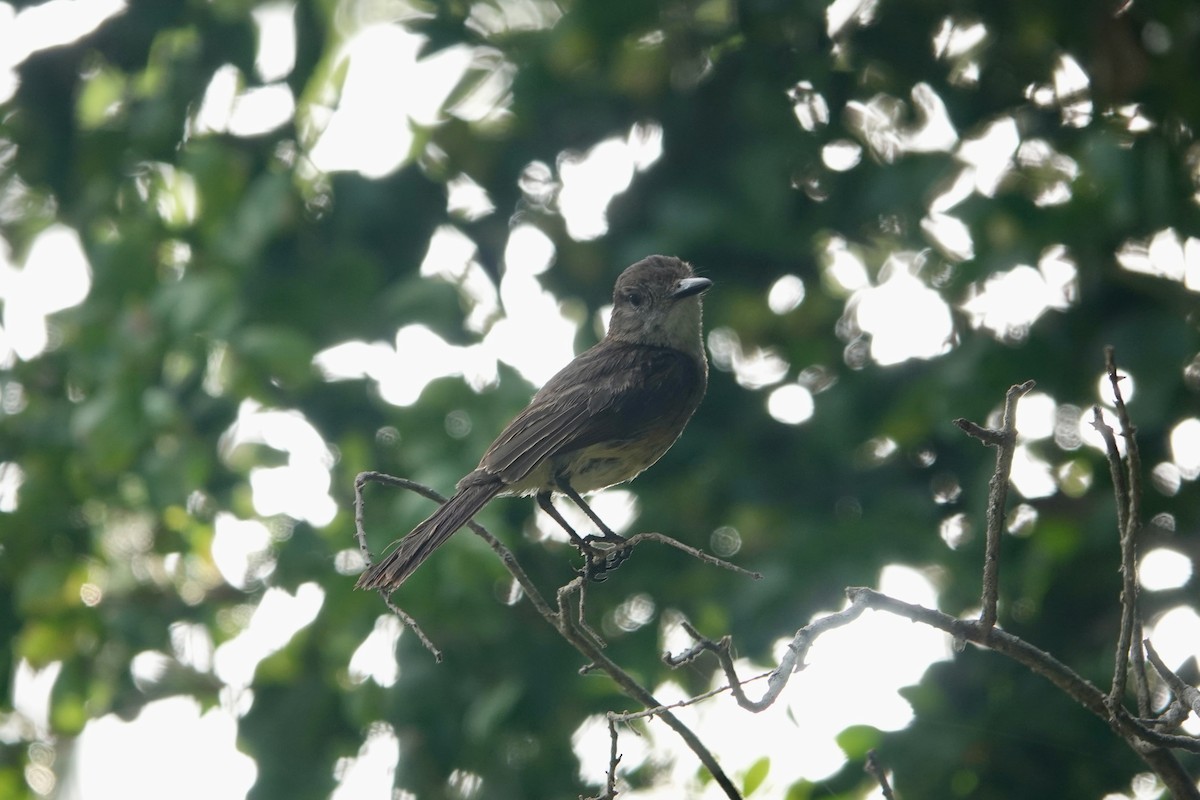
609	414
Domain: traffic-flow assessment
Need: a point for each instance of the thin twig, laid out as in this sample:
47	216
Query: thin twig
1133	457
412	625
1141	686
988	436
1127	485
1121	490
578	586
614	758
791	662
360	533
1004	440
1170	718
691	551
702	645
1119	478
360	529
1187	695
873	768
565	624
629	716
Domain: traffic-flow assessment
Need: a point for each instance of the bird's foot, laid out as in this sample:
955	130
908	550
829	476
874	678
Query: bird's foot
606	537
599	561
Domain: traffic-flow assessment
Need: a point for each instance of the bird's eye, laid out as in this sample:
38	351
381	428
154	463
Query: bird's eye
635	299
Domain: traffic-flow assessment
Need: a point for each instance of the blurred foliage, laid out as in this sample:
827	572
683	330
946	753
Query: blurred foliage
116	427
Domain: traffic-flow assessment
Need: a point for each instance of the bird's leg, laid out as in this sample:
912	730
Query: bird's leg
599	562
543	501
607	534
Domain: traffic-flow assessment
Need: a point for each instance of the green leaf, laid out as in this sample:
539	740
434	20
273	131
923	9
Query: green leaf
755	775
101	98
857	740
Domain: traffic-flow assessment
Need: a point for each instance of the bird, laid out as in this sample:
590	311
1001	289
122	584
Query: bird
605	417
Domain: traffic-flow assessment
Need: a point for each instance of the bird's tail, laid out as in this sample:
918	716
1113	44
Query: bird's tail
431	534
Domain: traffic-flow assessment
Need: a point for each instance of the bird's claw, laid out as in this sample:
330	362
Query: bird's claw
608	537
600	562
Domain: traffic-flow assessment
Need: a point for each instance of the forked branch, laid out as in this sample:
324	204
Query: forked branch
569	626
1149	737
1004	439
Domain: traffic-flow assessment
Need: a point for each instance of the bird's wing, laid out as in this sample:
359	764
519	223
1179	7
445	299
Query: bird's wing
610	393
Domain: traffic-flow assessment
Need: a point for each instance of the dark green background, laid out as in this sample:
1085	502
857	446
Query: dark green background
282	267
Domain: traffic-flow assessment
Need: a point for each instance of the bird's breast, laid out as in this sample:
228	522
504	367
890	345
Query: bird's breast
603	419
599	466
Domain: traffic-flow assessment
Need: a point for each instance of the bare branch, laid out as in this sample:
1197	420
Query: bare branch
614	759
1171	717
876	771
412	625
1150	745
1141	686
579	636
1133	457
986	435
578	586
792	661
702	645
1120	487
585	646
360	534
1127	487
1146	736
1004	440
691	701
1130	533
1188	695
693	552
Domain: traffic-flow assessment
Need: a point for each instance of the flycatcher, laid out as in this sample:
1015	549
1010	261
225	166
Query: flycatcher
605	417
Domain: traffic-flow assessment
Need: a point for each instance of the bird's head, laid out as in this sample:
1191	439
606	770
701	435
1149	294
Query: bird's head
657	302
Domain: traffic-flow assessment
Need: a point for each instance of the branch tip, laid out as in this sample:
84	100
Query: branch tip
873	768
990	437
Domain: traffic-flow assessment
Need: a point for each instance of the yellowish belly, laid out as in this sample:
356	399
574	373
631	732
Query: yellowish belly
595	467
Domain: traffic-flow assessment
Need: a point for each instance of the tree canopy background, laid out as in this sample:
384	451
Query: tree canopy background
920	168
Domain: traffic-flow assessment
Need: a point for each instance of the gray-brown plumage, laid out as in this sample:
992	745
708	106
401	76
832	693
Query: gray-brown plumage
605	417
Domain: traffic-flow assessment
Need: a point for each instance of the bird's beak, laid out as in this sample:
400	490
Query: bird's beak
690	286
